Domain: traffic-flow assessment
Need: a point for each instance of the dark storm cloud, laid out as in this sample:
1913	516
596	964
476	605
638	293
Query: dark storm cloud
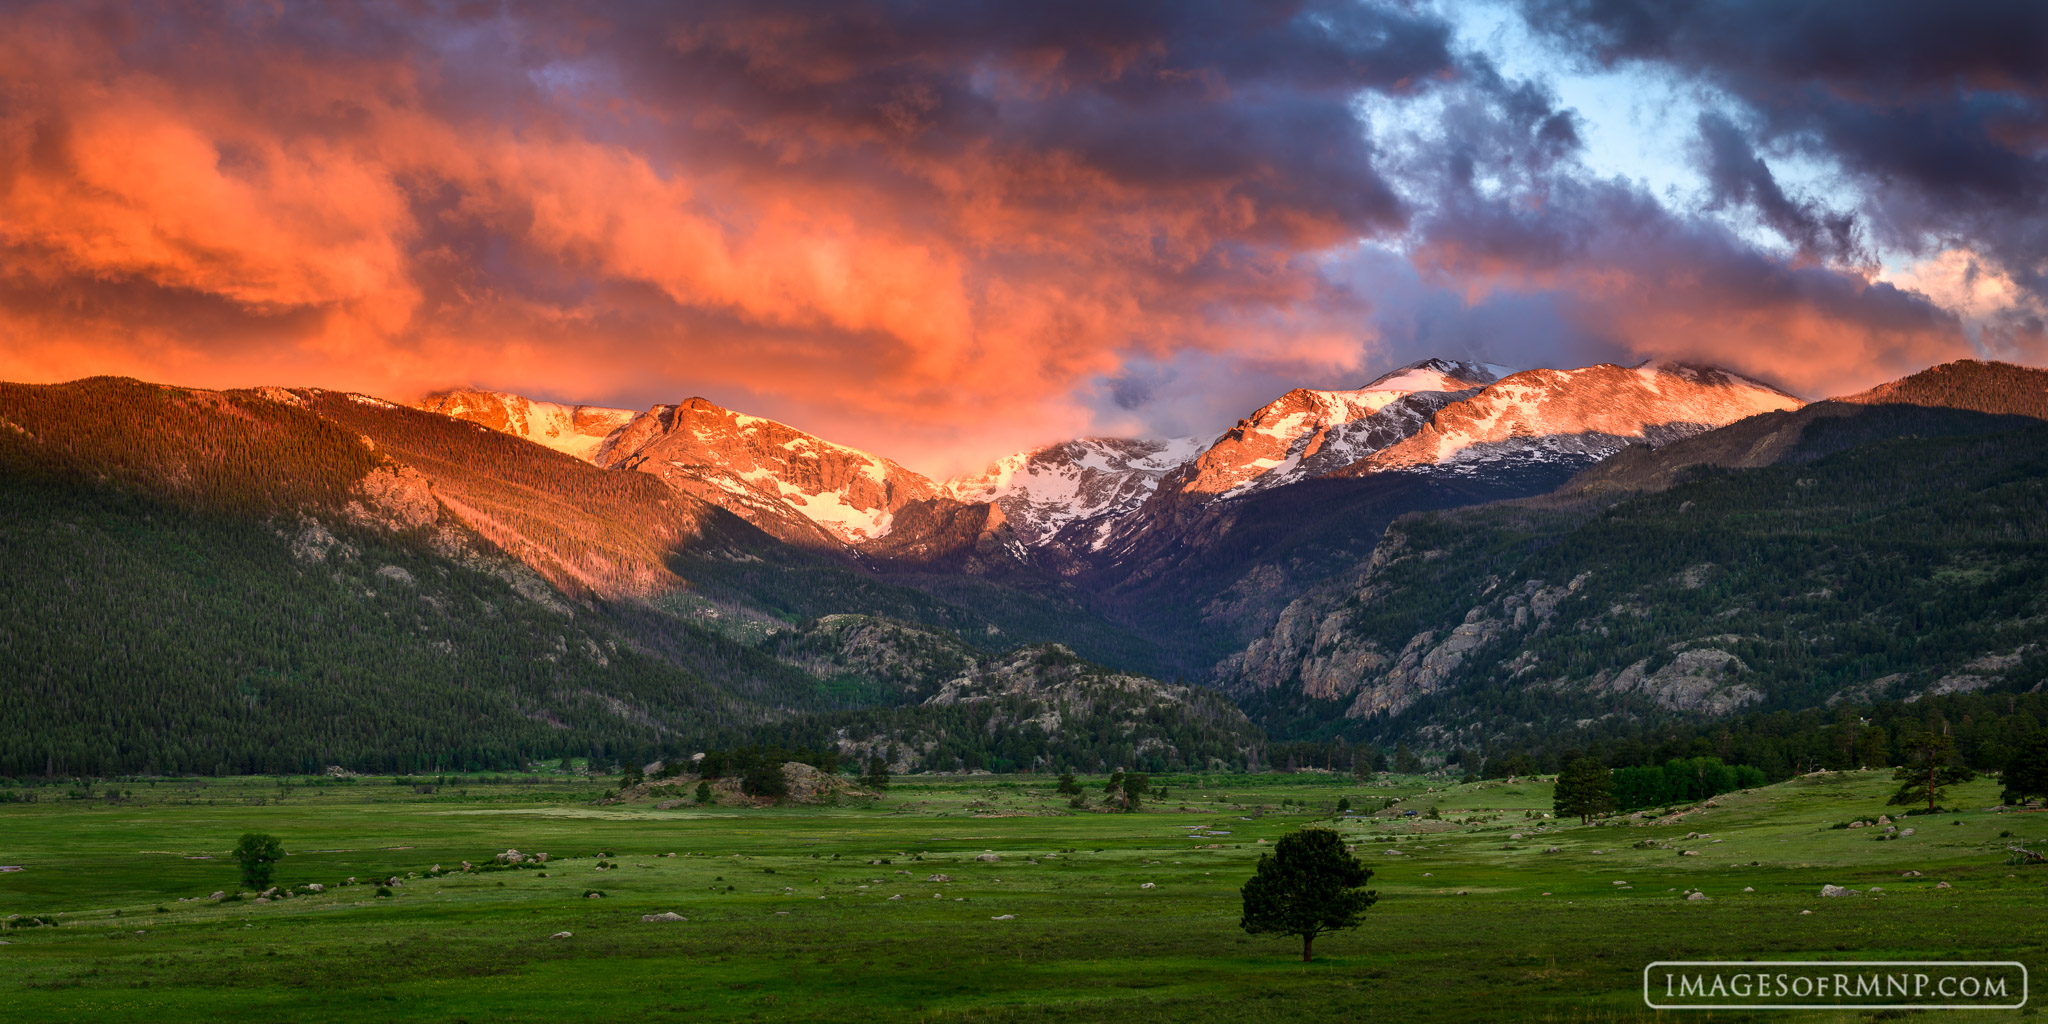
1247	103
1939	111
1633	277
1737	177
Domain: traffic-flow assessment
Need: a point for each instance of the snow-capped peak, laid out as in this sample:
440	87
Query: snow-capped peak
572	429
1306	433
1438	375
760	468
1581	415
1044	489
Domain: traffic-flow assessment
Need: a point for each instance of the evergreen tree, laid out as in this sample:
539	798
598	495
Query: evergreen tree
1584	788
703	792
2026	771
1405	761
1067	785
764	778
1308	885
1126	792
258	855
1929	770
877	777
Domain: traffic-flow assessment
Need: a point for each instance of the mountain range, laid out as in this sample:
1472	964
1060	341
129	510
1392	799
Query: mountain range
1451	553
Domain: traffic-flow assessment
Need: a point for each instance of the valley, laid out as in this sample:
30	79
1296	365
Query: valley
910	513
1487	909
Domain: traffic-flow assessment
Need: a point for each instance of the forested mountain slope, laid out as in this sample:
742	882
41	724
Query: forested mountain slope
200	581
1937	401
283	580
1902	566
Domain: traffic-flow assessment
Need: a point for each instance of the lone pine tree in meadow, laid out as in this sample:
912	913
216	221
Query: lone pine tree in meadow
1929	770
877	777
1308	885
1584	788
258	855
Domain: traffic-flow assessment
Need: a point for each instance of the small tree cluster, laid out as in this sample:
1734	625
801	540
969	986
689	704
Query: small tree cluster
1126	792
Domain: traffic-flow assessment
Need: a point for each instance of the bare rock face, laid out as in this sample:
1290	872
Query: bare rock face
1423	666
1700	679
394	498
1314	646
808	785
976	539
799	488
575	430
766	470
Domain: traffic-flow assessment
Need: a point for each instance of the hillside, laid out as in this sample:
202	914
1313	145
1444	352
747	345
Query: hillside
1963	397
201	581
287	579
228	578
1038	708
1892	568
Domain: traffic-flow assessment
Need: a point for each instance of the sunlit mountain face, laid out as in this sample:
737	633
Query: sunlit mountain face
947	237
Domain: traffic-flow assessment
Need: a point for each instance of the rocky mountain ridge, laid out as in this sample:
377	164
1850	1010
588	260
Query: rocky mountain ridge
1088	498
1776	562
1576	416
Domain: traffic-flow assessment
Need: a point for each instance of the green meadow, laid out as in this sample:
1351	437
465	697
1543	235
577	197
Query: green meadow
828	914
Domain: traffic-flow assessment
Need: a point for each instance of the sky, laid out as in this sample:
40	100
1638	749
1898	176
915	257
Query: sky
945	231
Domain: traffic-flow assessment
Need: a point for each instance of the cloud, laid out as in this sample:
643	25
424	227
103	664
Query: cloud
946	231
1935	112
1737	177
920	227
1632	276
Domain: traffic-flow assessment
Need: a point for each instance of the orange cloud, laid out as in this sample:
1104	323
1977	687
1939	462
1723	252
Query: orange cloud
928	236
232	198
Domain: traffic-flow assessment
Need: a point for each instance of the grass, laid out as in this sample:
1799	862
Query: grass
790	915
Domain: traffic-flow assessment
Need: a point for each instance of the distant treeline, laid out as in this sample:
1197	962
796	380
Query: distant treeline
719	764
1681	780
1987	728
